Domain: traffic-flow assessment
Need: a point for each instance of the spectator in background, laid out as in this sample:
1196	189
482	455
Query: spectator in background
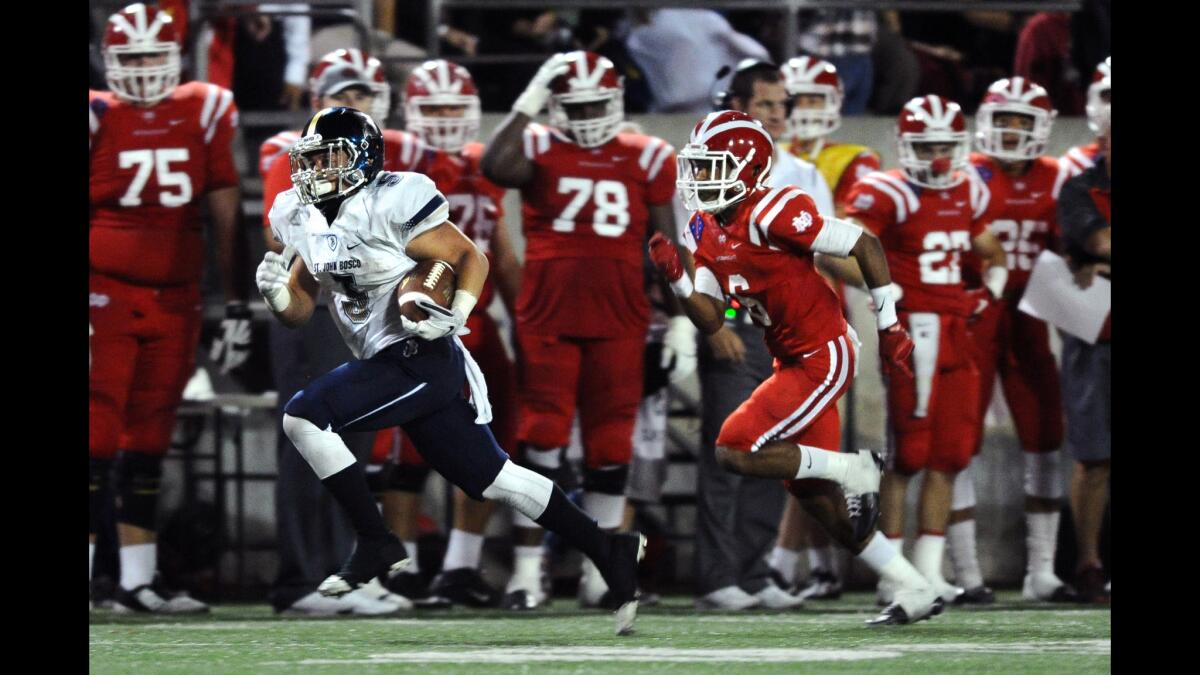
1084	214
897	72
604	31
1044	55
680	52
845	38
1091	34
961	53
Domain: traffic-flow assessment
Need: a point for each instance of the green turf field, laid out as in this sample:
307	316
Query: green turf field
821	637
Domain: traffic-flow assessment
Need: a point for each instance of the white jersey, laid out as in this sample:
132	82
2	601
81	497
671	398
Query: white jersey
360	258
788	169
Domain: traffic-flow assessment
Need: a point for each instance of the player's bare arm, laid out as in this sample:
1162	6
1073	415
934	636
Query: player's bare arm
1099	243
871	263
508	267
705	311
225	206
504	161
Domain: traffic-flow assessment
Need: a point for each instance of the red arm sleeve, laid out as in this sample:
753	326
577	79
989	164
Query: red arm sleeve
792	220
870	206
222	172
660	175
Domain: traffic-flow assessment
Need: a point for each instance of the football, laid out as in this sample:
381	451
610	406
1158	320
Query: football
434	279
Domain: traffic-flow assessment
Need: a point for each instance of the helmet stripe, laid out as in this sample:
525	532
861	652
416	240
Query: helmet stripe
443	74
737	124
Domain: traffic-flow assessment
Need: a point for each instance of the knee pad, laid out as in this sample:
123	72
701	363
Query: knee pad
964	490
607	480
408	478
139	478
1043	474
97	491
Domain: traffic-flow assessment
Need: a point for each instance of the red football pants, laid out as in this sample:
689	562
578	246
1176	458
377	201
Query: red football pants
944	439
143	352
487	348
1016	346
603	376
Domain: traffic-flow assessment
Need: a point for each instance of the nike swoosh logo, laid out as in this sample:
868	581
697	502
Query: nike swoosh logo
354	246
809	455
174	122
735	245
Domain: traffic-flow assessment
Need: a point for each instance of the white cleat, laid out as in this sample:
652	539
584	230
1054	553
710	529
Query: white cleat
376	590
364	602
315	604
774	597
1047	587
146	600
864	478
731	598
910	605
946	590
885	593
625	616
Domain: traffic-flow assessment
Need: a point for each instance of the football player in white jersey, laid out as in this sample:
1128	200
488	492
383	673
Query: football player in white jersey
357	231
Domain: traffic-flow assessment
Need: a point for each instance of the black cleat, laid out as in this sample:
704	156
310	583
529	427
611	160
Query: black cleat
520	600
863	507
625	552
980	595
385	557
894	615
413	587
821	585
465	586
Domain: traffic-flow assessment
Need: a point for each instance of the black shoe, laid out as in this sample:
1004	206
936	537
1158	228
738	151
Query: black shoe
863	508
521	601
1090	586
894	615
821	585
413	587
779	581
385	557
624	554
980	595
155	599
466	587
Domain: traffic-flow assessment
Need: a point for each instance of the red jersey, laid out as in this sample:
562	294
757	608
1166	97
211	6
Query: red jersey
1079	158
584	215
476	207
402	151
148	168
1022	213
763	257
924	232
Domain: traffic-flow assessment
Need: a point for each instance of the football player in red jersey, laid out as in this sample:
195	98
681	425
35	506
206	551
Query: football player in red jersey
589	194
927	214
1012	128
441	108
1099	94
156	147
310	543
756	244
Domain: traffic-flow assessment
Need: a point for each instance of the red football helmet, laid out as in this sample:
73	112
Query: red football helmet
810	75
933	119
441	83
733	152
368	68
1098	95
142	31
1014	95
591	79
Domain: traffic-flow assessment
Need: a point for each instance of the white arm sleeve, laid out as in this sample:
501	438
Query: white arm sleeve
706	283
837	237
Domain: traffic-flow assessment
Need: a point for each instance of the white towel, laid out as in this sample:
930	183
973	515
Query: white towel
925	329
479	392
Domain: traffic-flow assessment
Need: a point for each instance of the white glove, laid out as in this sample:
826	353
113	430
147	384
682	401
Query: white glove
272	278
679	346
441	321
533	99
234	341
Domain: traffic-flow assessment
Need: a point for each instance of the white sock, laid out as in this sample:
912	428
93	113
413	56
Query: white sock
883	556
1041	540
822	558
927	555
91	559
591	585
138	564
324	450
527	568
784	560
411	547
463	550
826	464
961	538
608	510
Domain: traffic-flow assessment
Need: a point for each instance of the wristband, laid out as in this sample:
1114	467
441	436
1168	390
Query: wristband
464	302
683	286
279	301
885	306
994	279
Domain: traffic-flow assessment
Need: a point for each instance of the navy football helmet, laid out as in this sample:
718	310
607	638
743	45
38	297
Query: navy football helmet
340	151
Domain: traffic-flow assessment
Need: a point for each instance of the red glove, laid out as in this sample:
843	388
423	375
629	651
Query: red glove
895	347
978	300
665	257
